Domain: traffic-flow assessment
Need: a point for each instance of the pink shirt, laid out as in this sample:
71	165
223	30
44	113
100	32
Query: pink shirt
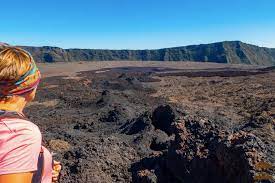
20	145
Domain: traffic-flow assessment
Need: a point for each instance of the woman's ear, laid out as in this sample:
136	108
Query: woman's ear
30	95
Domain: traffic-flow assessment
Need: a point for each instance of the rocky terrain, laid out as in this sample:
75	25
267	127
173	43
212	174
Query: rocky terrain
233	52
159	124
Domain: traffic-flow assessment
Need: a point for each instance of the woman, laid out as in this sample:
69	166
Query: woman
22	157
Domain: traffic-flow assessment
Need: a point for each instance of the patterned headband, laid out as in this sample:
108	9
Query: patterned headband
26	83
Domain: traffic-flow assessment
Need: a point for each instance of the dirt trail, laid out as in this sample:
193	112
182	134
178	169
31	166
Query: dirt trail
158	124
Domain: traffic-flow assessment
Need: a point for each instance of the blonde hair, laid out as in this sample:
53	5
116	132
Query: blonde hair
14	63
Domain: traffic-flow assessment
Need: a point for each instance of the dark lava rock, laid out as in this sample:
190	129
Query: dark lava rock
104	99
162	118
137	125
118	132
146	176
160	141
205	154
112	116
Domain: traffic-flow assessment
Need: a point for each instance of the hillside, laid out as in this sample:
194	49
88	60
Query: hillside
234	52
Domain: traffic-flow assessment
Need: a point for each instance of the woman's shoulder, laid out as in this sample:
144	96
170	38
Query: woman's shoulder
20	126
20	145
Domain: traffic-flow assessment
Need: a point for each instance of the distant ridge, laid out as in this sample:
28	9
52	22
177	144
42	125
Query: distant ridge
233	52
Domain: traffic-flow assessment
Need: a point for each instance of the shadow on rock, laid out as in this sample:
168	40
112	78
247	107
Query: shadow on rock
199	153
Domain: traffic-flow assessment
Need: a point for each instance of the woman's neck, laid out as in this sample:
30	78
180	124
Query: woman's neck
14	103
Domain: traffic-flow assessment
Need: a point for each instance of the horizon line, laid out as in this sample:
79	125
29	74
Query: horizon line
142	48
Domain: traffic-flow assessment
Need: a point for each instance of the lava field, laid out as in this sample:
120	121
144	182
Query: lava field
160	125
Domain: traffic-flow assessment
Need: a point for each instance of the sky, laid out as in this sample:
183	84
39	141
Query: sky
136	24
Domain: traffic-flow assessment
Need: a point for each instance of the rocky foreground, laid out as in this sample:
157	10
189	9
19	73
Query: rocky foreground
160	124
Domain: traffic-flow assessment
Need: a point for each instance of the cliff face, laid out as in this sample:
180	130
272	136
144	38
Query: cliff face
223	52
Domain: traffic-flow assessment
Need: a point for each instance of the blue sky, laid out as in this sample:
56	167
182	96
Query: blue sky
136	24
